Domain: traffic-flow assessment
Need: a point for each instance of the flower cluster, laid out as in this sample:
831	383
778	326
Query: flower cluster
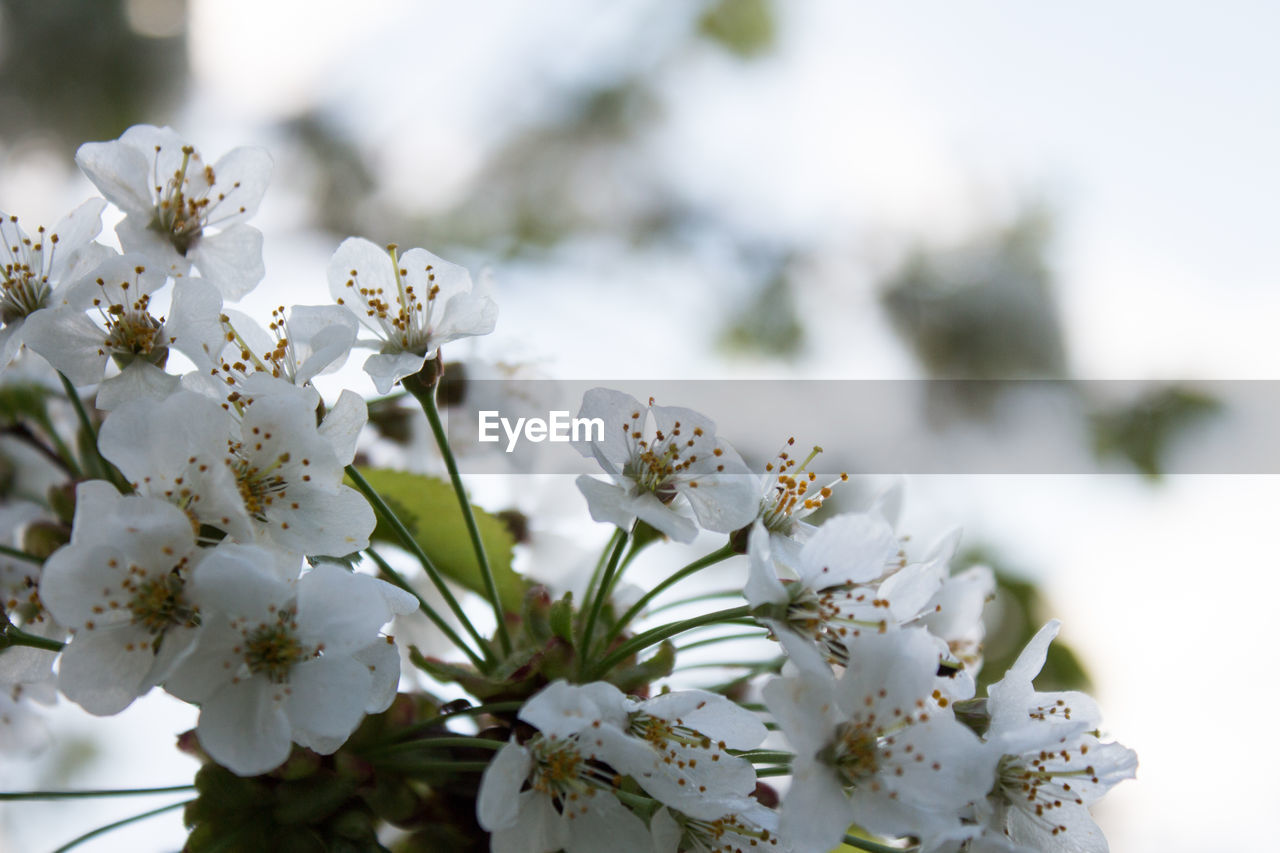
206	530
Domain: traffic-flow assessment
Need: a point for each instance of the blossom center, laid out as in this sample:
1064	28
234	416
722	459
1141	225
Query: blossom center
160	603
405	316
25	290
653	465
259	487
273	650
855	752
180	216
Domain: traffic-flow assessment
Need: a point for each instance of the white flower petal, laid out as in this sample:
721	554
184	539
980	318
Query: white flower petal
244	728
326	697
497	804
230	260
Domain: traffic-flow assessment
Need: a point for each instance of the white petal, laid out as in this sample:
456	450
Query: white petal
763	585
327	696
244	728
850	547
104	670
241	175
141	380
815	812
615	409
497	804
240	580
343	423
386	369
120	172
69	341
230	260
606	501
561	709
383	660
710	713
341	609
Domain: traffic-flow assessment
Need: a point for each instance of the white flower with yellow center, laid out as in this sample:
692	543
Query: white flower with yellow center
550	794
876	747
1051	766
791	494
108	317
753	828
283	662
180	210
412	302
122	586
664	463
263	473
675	746
35	268
849	579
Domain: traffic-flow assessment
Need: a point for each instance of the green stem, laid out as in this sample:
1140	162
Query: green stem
95	462
411	545
11	635
20	555
663	632
410	746
696	566
411	764
101	792
764	756
427	397
724	638
397	579
764	772
864	844
594	583
606	581
102	830
706	596
474	710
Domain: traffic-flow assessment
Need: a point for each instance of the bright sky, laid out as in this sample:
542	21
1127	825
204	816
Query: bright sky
1152	127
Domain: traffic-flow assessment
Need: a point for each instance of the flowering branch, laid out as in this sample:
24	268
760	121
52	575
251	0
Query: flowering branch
426	396
602	593
652	637
693	568
411	545
396	578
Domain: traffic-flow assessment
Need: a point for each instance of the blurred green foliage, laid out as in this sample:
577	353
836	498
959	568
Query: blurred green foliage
1017	612
985	310
430	511
744	27
79	70
1142	431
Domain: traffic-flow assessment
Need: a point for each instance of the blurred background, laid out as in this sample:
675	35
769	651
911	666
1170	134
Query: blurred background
758	189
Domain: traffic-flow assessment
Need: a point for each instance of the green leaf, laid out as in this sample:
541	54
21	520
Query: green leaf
429	509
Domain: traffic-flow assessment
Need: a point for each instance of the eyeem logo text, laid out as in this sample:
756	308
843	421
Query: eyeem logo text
557	427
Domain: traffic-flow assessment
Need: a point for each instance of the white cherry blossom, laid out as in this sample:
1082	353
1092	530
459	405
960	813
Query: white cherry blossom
1051	764
180	210
298	344
877	747
412	302
664	463
36	268
122	586
547	795
126	330
674	745
266	473
283	662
